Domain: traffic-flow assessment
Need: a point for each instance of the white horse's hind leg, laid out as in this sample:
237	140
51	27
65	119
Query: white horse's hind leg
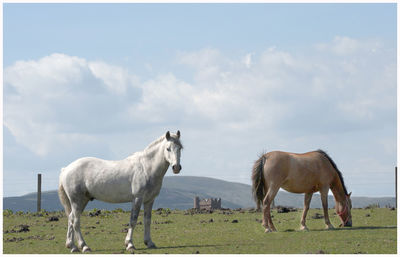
77	209
147	222
137	202
65	200
70	234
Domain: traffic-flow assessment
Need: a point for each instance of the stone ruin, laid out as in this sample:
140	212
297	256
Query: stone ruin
207	204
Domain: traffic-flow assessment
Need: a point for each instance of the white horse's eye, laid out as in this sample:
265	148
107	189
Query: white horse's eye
169	149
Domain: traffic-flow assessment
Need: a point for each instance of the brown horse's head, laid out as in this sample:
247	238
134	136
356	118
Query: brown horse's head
343	209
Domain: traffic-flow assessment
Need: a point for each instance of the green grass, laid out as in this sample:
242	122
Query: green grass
374	231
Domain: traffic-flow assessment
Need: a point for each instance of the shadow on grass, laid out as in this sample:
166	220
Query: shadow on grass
368	227
122	250
181	247
356	228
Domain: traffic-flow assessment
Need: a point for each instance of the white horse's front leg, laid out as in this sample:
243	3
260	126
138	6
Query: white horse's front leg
136	203
148	206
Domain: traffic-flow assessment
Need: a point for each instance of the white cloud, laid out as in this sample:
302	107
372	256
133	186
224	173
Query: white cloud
52	101
200	59
271	89
115	78
49	76
163	98
247	60
234	106
207	65
345	45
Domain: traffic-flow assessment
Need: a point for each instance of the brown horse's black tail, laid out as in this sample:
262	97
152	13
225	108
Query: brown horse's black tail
258	181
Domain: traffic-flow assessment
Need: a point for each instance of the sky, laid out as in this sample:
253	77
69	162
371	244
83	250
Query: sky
105	80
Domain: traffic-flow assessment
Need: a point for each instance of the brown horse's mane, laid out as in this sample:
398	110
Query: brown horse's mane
335	167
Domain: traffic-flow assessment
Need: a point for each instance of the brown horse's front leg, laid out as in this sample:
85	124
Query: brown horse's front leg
307	200
324	200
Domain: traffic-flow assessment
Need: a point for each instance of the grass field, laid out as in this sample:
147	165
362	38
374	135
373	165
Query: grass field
221	232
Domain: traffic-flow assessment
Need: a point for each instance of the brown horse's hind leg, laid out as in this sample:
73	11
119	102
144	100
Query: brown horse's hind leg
324	200
307	200
267	220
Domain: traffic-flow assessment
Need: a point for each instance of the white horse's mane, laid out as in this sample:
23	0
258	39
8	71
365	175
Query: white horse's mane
174	137
154	143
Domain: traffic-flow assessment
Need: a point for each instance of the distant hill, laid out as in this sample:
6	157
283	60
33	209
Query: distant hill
178	193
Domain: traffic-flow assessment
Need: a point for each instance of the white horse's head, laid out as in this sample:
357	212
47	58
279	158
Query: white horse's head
172	151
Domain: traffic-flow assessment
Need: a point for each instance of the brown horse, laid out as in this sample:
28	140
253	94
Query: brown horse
300	173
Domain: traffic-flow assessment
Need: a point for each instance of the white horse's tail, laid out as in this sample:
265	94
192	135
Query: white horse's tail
64	198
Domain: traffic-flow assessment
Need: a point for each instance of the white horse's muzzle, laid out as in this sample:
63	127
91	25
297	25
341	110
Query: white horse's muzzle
176	168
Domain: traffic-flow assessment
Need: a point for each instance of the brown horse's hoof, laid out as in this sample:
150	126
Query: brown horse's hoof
329	227
304	228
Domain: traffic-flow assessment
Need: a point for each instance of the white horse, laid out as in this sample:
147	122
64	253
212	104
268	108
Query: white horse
136	179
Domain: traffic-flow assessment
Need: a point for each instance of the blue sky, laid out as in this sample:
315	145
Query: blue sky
105	80
148	32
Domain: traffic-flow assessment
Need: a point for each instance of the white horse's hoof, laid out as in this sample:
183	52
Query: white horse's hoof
130	247
69	244
74	249
86	249
150	245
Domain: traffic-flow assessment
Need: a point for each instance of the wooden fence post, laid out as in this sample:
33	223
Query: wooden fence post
395	178
39	192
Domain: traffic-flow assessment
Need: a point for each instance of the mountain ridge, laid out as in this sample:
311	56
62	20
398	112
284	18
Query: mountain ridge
178	192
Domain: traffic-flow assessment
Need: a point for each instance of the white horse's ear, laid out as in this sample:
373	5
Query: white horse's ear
178	134
167	135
